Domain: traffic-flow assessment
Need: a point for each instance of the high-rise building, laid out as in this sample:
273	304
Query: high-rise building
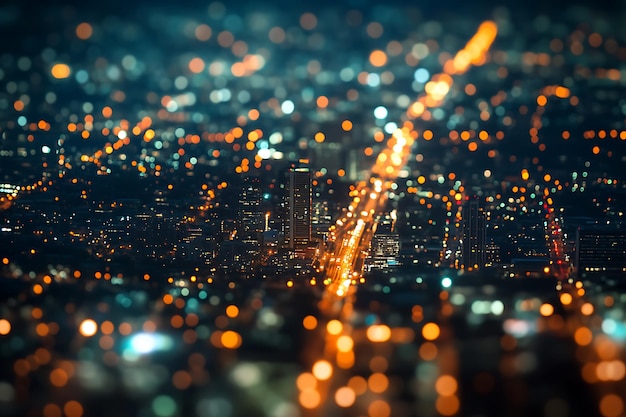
384	248
249	212
297	227
474	242
600	252
383	251
321	219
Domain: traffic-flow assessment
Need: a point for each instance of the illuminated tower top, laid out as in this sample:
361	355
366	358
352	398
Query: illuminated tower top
298	205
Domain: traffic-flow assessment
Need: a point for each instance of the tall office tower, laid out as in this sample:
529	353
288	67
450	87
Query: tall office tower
474	242
321	220
249	212
600	252
297	203
384	248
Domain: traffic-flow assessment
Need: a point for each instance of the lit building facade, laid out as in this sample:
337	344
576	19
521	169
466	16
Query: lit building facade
474	241
250	215
384	248
600	252
297	227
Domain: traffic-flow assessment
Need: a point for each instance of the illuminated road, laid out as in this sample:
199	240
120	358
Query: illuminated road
560	265
341	266
342	261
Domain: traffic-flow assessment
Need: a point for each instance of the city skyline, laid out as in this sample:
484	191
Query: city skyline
357	209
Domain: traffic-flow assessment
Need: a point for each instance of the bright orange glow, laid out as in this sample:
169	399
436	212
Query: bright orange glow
345	360
378	382
306	381
60	71
562	92
346	125
232	311
546	310
344	343
254	114
309	323
88	328
611	370
345	397
334	327
309	399
446	385
322	102
430	331
587	309
378	58
542	100
378	333
322	370
107	327
583	336
196	65
566	299
475	51
230	339
5	327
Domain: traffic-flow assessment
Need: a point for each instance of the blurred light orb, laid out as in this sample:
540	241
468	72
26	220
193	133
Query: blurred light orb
144	343
60	71
164	406
88	328
421	75
287	107
380	112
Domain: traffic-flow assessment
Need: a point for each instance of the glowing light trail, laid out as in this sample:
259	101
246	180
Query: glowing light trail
355	229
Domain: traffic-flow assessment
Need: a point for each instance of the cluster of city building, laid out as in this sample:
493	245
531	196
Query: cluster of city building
276	229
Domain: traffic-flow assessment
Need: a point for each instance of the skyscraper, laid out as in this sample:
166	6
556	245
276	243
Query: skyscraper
474	242
600	251
297	226
385	245
250	214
